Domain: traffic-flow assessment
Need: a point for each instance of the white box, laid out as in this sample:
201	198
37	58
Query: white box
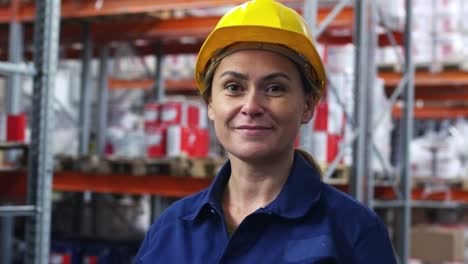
464	16
449	47
340	58
423	48
447	22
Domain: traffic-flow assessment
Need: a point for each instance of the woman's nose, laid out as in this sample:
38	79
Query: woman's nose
252	104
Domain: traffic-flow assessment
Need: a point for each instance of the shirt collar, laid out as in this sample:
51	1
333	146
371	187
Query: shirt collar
300	192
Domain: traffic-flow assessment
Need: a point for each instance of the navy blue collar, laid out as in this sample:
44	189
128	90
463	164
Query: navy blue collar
299	194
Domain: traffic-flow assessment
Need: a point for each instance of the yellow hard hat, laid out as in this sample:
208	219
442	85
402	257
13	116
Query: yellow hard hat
260	21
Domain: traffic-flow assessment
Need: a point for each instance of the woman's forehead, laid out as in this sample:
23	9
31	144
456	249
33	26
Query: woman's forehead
257	59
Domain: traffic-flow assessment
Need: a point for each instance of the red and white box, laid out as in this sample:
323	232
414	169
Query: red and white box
189	141
60	258
90	260
155	141
152	114
325	146
184	113
323	136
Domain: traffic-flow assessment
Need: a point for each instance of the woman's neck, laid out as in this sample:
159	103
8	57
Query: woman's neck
253	185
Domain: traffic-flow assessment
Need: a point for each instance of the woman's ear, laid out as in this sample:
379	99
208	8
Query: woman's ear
210	111
309	107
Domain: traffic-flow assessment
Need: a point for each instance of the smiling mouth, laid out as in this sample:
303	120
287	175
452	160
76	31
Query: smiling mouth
253	128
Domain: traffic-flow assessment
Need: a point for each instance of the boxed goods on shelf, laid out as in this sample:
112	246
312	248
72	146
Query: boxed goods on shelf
176	127
437	31
449	48
318	139
16	128
438	154
464	18
184	113
339	58
178	66
190	141
438	243
156	141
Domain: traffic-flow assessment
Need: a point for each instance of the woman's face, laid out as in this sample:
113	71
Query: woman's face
258	104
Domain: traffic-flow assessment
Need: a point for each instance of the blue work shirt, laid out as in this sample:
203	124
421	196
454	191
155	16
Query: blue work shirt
308	222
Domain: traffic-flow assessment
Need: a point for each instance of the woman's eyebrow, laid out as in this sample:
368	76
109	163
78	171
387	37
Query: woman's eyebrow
235	74
276	75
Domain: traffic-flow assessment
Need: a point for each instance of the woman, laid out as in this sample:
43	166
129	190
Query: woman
261	77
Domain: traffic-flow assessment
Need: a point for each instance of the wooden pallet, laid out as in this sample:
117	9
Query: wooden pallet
176	166
459	183
340	175
196	167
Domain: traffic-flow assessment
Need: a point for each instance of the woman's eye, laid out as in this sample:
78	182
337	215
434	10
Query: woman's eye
275	90
232	88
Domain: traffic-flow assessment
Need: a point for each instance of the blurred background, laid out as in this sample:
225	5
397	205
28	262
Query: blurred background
101	126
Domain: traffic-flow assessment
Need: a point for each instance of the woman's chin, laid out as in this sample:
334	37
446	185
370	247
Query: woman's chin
257	154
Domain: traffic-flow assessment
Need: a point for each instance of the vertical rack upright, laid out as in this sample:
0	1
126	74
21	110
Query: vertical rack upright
46	41
362	182
38	210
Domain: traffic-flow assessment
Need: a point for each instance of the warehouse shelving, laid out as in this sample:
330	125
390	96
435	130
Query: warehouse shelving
428	85
171	186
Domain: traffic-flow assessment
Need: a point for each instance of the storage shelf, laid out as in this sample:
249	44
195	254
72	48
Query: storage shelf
429	79
434	112
186	86
12	145
87	8
14	185
152	29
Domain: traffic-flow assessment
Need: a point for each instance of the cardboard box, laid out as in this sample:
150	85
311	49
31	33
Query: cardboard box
438	243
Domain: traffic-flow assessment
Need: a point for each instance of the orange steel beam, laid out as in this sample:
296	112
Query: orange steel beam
122	84
162	185
434	112
106	31
87	8
343	19
14	186
449	85
14	10
437	93
172	86
427	79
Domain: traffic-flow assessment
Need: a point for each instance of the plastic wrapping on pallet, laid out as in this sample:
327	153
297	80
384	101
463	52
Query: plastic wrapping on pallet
449	47
128	138
423	51
463	16
178	66
382	121
437	31
436	155
339	58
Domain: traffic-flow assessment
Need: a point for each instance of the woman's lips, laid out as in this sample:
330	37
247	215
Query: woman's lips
253	127
253	130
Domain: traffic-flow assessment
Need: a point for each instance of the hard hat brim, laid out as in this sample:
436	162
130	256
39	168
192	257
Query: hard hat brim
223	37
